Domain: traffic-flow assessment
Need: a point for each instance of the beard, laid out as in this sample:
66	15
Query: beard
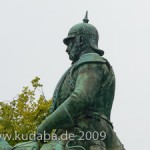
74	53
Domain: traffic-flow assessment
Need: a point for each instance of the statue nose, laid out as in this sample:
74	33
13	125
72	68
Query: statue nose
67	50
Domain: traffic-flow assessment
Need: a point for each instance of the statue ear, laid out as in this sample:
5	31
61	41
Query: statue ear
81	40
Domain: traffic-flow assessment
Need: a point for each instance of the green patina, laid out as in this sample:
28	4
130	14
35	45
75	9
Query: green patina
83	97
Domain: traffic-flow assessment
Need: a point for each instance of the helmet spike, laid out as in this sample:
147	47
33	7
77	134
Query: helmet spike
86	20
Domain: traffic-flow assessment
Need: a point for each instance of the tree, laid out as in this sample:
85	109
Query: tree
24	113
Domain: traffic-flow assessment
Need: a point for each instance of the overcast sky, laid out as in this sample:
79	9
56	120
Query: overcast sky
31	34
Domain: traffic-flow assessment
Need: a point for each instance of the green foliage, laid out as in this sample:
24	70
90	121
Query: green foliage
25	112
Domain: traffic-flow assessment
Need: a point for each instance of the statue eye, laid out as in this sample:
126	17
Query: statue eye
70	42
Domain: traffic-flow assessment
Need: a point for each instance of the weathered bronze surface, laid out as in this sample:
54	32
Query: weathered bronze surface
4	145
83	97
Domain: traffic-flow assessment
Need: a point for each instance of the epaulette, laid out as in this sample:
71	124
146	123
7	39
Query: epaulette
90	58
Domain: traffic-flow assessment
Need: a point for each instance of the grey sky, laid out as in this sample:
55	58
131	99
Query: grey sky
31	33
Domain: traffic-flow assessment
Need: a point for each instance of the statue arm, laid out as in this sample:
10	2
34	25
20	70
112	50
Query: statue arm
86	87
88	80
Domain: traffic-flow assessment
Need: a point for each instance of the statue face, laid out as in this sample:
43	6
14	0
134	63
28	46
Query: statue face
73	48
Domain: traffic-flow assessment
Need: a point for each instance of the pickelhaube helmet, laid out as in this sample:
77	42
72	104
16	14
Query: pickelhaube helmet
86	30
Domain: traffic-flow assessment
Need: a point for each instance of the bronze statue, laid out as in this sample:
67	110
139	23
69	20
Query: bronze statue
83	98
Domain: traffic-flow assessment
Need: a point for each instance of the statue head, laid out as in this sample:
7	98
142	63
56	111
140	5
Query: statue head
81	37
